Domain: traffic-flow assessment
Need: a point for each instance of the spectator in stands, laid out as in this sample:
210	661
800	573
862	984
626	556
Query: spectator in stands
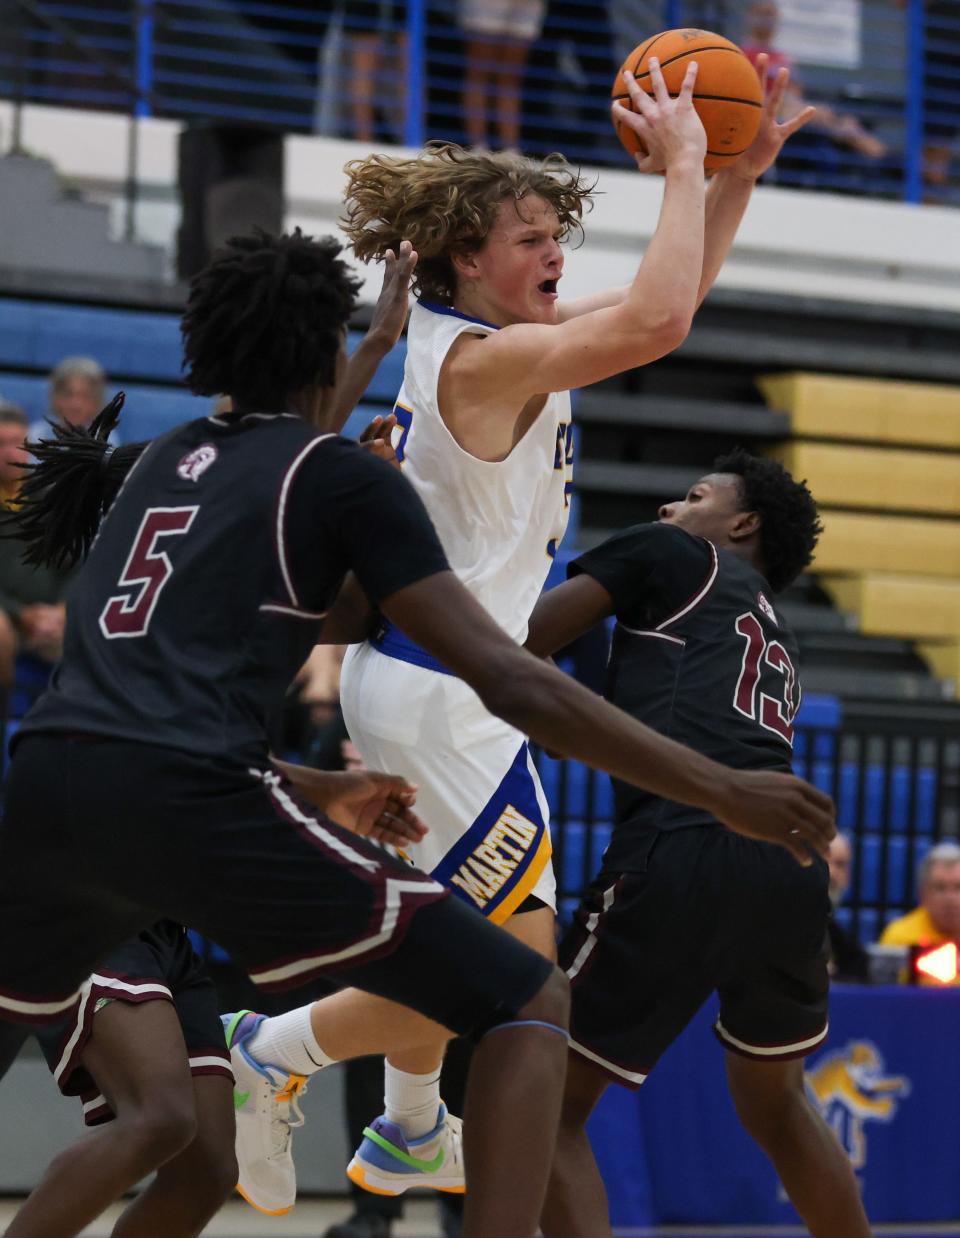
941	57
499	34
378	65
78	389
32	612
848	959
761	28
937	919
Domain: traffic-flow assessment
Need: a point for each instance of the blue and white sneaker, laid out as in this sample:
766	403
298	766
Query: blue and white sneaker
387	1163
266	1102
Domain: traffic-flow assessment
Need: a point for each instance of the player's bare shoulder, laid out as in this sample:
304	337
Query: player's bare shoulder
485	414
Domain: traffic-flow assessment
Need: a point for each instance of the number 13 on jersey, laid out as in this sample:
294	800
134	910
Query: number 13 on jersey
772	714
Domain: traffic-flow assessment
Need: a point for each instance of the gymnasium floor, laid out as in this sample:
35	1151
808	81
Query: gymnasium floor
311	1218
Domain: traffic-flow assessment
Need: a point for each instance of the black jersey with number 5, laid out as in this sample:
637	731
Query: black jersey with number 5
700	654
206	586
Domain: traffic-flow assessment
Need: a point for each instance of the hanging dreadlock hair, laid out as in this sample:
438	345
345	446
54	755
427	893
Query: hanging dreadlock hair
68	490
789	522
265	318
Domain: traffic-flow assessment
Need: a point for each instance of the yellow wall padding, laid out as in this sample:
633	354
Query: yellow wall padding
909	606
862	542
873	409
945	660
908	481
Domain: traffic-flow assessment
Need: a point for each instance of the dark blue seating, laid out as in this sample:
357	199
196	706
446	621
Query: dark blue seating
572	848
142	354
869	926
35	335
599	840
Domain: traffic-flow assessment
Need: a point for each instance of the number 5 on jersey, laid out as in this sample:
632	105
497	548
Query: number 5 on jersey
145	573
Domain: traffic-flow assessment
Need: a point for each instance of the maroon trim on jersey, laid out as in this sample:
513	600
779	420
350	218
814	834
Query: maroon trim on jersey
96	1108
699	595
770	1051
591	928
282	511
626	1076
396	895
18	1007
674	640
291	612
77	1034
355	952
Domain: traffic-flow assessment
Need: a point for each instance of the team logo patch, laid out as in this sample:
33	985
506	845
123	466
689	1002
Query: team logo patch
195	463
851	1087
766	607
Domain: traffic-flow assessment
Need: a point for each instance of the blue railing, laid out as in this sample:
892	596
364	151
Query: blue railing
413	71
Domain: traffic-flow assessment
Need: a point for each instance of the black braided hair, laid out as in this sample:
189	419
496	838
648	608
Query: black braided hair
265	318
789	522
68	490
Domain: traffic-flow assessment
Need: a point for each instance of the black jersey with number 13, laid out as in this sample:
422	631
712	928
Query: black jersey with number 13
700	654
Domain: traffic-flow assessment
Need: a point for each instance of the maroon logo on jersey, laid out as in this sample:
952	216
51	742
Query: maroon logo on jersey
766	608
195	463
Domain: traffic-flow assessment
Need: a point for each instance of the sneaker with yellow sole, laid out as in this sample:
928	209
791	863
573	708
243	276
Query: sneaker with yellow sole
266	1101
387	1163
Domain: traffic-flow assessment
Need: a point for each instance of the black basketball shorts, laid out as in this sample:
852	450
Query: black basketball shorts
102	838
157	965
701	910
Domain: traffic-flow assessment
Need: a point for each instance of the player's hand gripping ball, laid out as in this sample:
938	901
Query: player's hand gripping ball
728	94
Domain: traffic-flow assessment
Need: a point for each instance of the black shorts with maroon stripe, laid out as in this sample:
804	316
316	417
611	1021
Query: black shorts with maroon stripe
701	910
103	837
157	965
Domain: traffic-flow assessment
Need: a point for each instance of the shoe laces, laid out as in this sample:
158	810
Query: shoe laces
286	1114
454	1140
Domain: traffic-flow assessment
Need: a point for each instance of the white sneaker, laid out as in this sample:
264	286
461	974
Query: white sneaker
266	1102
387	1163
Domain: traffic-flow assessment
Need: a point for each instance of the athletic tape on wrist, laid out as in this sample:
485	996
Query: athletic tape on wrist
551	1027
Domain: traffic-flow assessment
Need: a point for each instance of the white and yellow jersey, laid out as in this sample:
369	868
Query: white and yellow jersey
499	522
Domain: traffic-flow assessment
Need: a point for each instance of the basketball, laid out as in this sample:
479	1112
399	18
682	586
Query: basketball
728	94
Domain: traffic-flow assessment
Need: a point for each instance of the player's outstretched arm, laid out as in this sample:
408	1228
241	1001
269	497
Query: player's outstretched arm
386	326
731	188
442	616
654	316
567	612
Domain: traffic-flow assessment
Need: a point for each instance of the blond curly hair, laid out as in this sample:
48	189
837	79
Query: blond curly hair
445	200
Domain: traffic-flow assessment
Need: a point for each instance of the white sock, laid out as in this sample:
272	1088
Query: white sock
287	1041
412	1101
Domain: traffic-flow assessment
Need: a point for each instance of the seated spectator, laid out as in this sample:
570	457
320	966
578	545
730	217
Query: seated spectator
32	612
848	959
761	28
937	919
78	391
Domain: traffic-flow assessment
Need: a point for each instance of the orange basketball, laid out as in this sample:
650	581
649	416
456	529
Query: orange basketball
728	95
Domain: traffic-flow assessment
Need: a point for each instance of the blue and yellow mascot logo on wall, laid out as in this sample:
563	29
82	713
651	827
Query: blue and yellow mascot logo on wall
851	1087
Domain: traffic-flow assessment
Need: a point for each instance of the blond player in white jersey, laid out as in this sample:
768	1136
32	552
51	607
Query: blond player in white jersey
484	435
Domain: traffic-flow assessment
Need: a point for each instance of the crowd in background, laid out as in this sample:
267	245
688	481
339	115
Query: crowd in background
536	76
